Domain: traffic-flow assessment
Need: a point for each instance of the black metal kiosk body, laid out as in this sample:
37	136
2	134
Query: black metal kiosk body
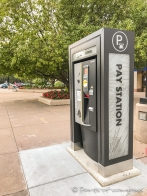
101	71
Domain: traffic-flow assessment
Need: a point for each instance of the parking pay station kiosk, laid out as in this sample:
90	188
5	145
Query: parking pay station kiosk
101	68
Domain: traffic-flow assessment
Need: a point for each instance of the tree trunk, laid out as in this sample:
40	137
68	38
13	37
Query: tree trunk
52	82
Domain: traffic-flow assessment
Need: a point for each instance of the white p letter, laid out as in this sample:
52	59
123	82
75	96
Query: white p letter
118	39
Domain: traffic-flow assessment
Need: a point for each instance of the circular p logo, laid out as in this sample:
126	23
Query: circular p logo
120	41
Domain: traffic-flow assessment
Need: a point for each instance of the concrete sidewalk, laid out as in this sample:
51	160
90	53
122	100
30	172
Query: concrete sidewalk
53	171
33	156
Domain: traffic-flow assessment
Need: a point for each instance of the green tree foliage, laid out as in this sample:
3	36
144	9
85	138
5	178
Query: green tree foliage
35	34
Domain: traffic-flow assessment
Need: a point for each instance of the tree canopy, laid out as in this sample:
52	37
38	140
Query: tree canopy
35	34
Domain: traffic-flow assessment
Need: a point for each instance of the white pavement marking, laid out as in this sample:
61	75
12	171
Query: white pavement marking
62	116
31	135
43	120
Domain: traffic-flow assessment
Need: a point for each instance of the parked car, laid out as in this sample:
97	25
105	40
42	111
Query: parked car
4	85
19	84
13	85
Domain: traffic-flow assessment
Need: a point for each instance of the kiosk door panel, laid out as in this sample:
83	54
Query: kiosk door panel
89	93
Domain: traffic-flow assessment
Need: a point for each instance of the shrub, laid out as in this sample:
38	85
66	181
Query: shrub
56	94
59	84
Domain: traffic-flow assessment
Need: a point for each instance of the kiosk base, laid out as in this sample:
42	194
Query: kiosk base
115	168
92	168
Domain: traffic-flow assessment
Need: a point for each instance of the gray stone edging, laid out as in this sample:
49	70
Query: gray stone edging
54	102
37	90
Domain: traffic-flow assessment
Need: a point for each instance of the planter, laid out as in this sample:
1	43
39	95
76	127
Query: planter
54	102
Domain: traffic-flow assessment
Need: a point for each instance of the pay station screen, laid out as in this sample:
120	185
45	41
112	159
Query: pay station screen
85	78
